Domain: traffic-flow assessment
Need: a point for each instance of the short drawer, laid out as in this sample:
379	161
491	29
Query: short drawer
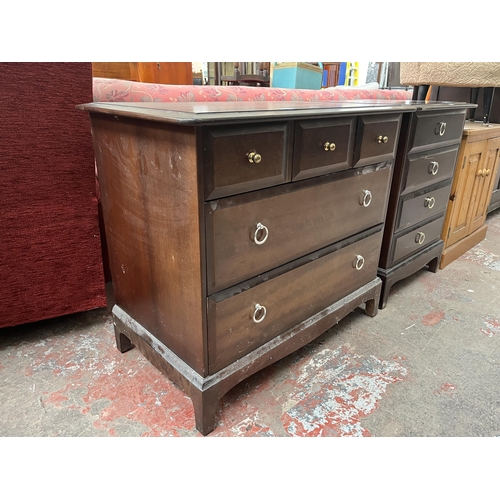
376	139
437	128
244	158
239	323
429	168
409	243
250	234
424	206
322	146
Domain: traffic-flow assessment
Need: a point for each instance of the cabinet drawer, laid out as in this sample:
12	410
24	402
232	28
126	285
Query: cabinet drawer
423	207
430	168
249	234
437	128
322	146
238	324
376	139
417	239
245	158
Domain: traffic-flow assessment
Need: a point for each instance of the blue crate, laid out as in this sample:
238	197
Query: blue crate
297	76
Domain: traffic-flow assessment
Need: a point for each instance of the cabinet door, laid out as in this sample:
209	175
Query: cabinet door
483	185
462	191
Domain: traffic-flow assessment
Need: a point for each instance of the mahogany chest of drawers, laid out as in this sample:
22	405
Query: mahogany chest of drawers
423	173
239	232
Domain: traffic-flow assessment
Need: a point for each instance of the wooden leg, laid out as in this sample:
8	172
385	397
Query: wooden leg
387	283
474	95
122	342
487	103
205	408
434	264
371	306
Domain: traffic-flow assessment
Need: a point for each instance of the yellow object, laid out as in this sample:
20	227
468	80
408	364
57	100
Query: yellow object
351	74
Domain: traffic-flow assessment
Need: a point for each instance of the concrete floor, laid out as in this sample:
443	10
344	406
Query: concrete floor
426	365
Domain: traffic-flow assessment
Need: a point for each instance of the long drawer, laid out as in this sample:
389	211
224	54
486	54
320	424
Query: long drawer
240	323
425	206
247	235
417	239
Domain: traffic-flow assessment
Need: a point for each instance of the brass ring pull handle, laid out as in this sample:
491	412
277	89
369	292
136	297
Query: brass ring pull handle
433	168
254	157
429	202
440	128
366	198
420	238
329	146
358	262
382	139
261	234
259	313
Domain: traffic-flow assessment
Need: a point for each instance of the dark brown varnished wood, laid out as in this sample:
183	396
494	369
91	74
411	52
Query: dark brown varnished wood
231	163
430	256
437	129
152	213
322	146
184	268
376	139
424	206
205	392
417	238
299	218
419	193
421	167
289	298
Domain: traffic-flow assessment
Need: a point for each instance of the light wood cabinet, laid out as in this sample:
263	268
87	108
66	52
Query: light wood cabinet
475	172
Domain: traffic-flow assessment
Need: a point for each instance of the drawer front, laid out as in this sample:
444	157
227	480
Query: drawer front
376	140
437	128
433	167
238	159
322	146
417	239
239	324
423	207
246	237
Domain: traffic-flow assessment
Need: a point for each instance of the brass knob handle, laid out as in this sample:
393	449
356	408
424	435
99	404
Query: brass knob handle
382	139
365	198
259	313
429	202
440	128
480	173
433	167
329	146
261	234
358	262
488	172
420	238
254	157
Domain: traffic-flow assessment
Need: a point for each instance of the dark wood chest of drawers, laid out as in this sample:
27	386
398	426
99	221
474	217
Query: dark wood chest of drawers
423	174
240	232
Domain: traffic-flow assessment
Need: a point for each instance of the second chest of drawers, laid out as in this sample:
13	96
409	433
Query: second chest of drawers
423	174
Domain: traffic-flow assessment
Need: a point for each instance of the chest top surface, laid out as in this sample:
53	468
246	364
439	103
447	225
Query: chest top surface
200	113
